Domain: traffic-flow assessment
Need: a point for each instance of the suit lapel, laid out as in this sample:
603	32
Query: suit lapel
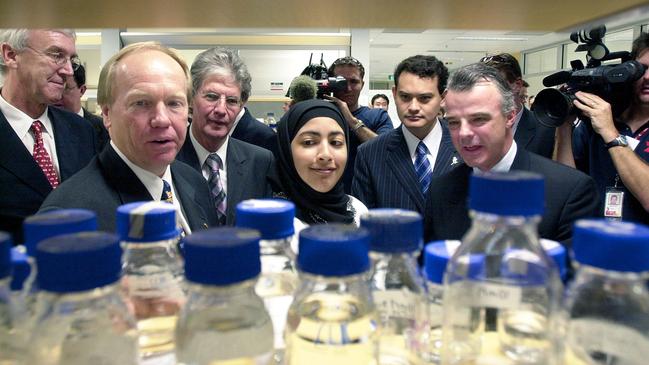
237	176
187	193
525	130
66	142
521	160
400	163
447	157
16	158
129	188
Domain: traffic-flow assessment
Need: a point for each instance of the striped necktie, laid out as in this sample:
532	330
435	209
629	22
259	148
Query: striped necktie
214	164
422	167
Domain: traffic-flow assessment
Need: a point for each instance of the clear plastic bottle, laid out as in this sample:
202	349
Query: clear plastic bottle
557	253
153	272
436	257
81	317
397	288
11	340
273	218
607	305
271	121
224	321
45	225
332	319
506	310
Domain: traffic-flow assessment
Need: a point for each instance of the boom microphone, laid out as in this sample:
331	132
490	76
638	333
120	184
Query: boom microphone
302	88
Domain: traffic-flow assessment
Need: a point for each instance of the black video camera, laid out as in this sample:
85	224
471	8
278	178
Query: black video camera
326	84
612	83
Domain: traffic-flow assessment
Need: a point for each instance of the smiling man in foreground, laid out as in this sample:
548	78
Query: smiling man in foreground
143	93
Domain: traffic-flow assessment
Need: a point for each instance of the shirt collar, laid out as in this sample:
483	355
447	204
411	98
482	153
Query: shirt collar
432	139
202	153
505	163
152	182
21	122
236	121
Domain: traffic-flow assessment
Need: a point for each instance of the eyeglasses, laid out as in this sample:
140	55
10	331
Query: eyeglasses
59	58
231	102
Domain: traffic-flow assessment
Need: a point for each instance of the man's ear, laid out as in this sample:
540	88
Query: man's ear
106	114
82	89
8	55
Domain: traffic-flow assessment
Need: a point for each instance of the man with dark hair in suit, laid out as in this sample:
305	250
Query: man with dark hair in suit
529	133
394	170
144	97
75	88
480	110
235	170
364	123
39	146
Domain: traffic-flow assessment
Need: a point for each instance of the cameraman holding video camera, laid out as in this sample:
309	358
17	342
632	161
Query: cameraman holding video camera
615	152
363	122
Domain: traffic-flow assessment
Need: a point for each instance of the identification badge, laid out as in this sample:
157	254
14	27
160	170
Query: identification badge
613	204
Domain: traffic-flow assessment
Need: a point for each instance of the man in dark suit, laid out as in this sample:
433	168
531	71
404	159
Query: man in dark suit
143	92
75	88
529	133
386	173
235	170
480	111
39	146
249	129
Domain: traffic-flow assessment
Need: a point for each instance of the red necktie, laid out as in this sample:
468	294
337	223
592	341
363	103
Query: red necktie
41	156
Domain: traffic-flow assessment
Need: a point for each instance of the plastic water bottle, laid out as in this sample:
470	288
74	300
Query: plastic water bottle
396	237
505	310
81	317
224	320
332	319
11	338
436	257
607	305
558	254
273	218
49	224
153	272
271	121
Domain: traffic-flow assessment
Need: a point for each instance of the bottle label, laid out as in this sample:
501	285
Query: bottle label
487	295
396	303
590	335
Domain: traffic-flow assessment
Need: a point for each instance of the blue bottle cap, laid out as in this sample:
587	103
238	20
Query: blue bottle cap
393	230
273	218
78	261
20	268
334	250
611	245
436	257
5	256
516	193
557	252
147	221
53	223
222	256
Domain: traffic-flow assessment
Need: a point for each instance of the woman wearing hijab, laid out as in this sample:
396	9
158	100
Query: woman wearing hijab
313	142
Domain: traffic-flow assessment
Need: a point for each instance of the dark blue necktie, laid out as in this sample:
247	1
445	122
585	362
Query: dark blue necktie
422	167
167	195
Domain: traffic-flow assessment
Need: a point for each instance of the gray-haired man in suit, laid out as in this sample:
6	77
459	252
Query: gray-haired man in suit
235	170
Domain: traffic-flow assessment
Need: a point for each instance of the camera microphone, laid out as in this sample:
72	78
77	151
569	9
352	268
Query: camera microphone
303	88
558	78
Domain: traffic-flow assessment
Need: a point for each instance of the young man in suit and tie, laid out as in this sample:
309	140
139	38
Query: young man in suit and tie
394	170
144	96
235	170
39	146
480	111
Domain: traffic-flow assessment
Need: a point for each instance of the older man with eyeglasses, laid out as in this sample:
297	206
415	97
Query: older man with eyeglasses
235	170
39	146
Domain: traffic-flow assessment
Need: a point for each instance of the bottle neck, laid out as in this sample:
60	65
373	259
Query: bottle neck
81	296
588	273
280	246
242	288
357	284
491	219
167	248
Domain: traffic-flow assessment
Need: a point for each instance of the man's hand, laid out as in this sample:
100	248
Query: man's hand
599	112
344	109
